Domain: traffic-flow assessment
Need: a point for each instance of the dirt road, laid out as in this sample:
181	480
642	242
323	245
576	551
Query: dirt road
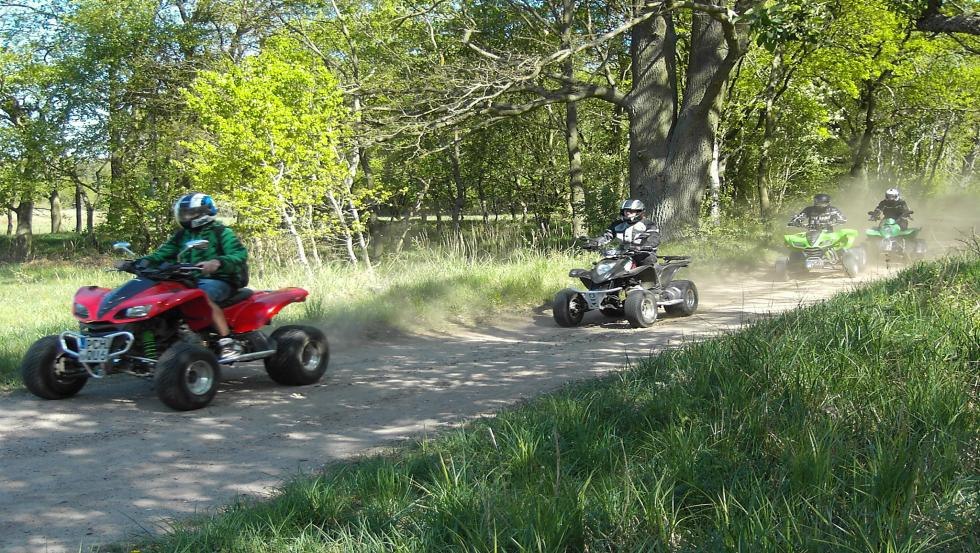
113	461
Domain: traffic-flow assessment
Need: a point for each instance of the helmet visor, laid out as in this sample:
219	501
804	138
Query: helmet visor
185	215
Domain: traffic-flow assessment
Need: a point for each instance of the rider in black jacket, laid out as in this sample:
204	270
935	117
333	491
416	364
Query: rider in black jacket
892	207
634	231
820	214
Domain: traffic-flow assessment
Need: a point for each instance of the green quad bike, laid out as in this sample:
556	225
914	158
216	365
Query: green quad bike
820	248
897	245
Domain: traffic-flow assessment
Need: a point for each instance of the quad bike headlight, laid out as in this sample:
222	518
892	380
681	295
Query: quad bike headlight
138	311
603	268
81	311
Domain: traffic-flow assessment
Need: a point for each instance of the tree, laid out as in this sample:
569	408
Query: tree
273	136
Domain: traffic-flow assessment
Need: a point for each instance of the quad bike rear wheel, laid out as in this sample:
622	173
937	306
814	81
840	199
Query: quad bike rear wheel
641	308
690	296
187	376
39	371
568	308
301	357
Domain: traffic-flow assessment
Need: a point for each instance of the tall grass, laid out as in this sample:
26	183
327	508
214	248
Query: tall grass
849	426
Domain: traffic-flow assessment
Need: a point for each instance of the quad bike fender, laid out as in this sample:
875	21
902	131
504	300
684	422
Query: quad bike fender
583	275
192	304
846	238
675	290
647	273
261	308
87	301
796	240
667	272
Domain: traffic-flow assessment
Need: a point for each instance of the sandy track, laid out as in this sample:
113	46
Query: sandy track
113	462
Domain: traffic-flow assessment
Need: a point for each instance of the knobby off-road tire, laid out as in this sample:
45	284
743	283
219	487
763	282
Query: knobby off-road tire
640	308
690	297
187	376
301	357
568	308
852	263
37	370
780	270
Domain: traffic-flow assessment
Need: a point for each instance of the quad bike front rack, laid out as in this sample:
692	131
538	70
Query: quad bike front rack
94	352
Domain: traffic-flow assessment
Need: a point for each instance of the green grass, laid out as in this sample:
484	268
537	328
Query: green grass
848	426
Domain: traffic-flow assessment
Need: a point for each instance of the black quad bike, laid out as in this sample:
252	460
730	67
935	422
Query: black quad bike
618	287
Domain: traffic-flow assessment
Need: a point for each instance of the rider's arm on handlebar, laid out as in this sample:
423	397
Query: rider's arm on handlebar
166	252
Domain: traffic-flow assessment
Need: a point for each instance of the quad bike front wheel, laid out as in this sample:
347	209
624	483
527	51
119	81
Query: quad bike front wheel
301	357
187	376
40	367
687	307
852	263
568	308
641	308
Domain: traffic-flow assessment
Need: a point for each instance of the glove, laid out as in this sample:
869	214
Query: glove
124	265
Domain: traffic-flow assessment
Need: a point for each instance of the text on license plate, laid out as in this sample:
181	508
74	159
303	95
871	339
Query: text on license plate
93	350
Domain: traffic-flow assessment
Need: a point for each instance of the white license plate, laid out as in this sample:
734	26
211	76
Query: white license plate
93	350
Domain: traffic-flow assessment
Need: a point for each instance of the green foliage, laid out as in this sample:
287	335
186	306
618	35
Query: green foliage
850	426
274	131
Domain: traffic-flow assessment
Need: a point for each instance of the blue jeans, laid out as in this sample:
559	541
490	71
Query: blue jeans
217	290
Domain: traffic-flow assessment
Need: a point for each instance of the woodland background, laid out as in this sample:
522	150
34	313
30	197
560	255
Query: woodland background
335	127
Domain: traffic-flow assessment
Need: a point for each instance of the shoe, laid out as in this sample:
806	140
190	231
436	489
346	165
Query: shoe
230	349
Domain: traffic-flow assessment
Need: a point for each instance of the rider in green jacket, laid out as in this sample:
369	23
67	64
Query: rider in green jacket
223	263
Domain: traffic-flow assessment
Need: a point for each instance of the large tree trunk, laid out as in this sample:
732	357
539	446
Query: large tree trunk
652	103
55	203
576	186
863	144
11	217
23	240
671	149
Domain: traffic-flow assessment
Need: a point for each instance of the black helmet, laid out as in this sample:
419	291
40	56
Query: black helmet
635	207
194	210
821	200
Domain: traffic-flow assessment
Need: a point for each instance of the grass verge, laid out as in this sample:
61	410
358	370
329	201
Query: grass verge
410	292
848	426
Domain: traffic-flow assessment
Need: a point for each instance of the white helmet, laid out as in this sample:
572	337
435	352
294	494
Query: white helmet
892	194
635	207
194	210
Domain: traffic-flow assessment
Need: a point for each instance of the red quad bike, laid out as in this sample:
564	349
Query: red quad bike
158	325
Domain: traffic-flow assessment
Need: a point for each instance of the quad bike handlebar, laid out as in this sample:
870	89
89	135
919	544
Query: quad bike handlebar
181	272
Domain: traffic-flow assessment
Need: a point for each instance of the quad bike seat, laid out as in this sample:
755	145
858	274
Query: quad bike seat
240	295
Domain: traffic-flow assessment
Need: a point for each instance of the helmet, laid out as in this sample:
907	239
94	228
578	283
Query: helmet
821	200
635	206
892	194
194	210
